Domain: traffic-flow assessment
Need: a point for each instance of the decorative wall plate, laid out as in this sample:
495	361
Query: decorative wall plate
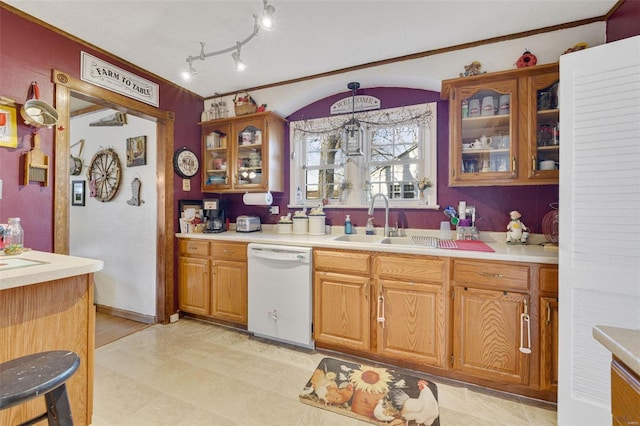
104	174
185	163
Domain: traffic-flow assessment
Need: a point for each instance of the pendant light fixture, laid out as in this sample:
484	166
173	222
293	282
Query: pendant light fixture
264	21
352	129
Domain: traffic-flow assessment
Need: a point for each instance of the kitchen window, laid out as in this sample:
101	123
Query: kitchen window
398	149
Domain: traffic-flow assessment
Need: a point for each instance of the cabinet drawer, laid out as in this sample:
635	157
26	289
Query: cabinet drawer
228	251
410	268
193	247
549	279
500	276
342	261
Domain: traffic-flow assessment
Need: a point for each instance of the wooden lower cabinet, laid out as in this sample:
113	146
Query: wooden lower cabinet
229	291
341	297
411	322
341	313
625	394
549	321
411	308
549	343
193	285
212	279
487	330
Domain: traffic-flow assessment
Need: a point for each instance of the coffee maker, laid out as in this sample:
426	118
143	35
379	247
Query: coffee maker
214	215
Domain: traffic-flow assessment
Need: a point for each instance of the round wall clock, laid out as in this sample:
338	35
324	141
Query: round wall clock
185	163
104	174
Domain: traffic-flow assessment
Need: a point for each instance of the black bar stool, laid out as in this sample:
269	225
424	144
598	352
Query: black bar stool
31	376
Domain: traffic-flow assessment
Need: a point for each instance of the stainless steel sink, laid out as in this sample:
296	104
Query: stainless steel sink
355	238
403	241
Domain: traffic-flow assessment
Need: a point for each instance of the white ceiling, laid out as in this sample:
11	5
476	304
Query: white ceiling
311	36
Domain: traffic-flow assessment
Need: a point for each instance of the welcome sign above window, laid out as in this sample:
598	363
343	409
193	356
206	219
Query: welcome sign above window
362	103
110	77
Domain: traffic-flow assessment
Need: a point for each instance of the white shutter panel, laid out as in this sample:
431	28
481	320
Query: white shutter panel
599	219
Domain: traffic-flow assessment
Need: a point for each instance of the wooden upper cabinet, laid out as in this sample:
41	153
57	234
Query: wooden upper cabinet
243	154
495	123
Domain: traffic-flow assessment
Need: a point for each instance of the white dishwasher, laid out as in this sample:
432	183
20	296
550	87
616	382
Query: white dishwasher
280	293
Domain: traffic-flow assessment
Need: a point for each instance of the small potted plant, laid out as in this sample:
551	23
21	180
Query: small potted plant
423	184
345	187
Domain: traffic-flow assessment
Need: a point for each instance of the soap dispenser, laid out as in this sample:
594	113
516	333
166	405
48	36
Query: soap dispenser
347	225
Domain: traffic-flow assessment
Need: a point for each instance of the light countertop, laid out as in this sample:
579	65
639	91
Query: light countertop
531	253
624	343
32	267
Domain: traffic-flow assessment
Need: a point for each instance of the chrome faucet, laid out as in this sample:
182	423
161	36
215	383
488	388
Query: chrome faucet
387	232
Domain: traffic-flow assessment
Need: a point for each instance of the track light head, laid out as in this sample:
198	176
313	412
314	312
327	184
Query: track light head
240	65
266	21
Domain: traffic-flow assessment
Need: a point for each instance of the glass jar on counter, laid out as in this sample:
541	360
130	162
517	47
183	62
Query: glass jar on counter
13	237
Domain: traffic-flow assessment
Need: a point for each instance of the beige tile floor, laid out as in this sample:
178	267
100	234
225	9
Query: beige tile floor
195	373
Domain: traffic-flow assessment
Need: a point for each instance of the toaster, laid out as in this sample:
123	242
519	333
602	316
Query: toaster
248	224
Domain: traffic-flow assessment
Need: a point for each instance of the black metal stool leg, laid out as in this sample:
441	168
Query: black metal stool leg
58	409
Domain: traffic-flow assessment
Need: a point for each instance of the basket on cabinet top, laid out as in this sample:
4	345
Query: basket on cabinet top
244	104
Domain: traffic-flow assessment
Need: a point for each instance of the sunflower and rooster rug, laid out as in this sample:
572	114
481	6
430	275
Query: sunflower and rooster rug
377	395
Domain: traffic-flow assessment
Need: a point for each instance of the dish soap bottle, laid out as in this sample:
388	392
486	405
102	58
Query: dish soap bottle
369	229
347	225
299	196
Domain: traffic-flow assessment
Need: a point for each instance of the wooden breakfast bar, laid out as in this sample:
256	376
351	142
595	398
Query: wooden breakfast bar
46	303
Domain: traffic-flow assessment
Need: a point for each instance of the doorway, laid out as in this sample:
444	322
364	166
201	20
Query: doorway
67	87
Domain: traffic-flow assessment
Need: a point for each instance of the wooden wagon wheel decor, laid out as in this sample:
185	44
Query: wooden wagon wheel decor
104	174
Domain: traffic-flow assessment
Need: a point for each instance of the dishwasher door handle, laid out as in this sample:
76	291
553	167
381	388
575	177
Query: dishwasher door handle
282	255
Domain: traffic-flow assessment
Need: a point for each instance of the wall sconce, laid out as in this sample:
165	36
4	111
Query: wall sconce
352	130
265	21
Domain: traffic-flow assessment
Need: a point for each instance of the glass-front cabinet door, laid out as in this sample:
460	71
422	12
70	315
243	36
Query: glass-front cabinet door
243	154
544	135
216	158
249	136
484	128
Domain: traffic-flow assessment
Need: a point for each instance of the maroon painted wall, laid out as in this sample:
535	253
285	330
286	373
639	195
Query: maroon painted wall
28	52
492	203
625	21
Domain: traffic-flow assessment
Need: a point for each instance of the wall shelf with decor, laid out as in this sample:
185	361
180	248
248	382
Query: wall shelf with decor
504	127
243	154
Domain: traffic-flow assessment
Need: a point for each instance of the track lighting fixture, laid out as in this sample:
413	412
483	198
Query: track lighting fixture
265	21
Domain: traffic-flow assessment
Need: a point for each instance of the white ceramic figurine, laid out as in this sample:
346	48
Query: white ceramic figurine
517	232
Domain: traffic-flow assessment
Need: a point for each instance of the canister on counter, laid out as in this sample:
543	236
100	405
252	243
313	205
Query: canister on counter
300	225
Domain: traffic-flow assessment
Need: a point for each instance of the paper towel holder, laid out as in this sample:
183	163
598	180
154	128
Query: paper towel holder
257	199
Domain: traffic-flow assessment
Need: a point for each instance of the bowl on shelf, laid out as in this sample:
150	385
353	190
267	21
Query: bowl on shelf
547	165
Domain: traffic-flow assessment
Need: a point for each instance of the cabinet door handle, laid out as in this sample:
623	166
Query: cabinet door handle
488	275
533	162
525	327
548	313
513	165
229	251
381	310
